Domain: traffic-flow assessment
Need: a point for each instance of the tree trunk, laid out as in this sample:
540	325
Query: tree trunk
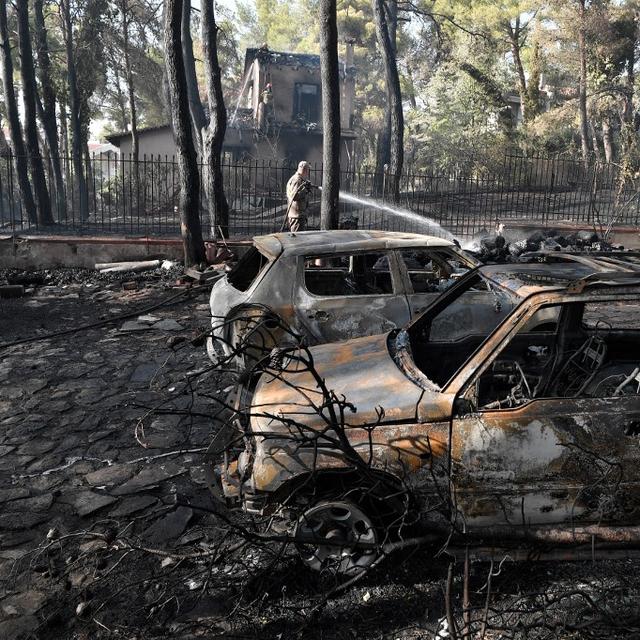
48	112
75	107
198	117
594	142
607	140
383	153
187	161
64	149
122	105
28	74
514	43
582	92
493	93
11	106
628	131
385	30
135	143
330	79
533	85
214	136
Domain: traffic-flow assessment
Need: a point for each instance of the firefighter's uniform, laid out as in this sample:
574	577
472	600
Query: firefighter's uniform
298	189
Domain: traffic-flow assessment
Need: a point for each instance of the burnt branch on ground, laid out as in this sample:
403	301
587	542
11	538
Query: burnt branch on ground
351	540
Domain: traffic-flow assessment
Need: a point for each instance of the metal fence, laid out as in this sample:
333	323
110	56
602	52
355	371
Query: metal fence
142	197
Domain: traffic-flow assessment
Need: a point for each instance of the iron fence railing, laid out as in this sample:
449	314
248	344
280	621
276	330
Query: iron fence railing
141	197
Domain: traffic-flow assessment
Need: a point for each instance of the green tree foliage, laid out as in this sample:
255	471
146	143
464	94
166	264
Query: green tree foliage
477	77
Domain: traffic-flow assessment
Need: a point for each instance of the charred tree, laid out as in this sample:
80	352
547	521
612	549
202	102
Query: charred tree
198	116
27	72
582	89
120	99
533	96
385	17
607	140
330	79
213	138
493	93
75	108
128	69
514	34
383	153
187	160
47	107
11	106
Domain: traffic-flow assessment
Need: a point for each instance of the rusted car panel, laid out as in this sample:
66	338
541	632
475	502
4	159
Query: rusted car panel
523	429
342	367
277	285
548	462
334	317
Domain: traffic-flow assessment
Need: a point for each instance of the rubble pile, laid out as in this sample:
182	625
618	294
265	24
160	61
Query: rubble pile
498	248
75	275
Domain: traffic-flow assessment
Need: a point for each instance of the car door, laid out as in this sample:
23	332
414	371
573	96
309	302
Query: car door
544	460
349	294
428	271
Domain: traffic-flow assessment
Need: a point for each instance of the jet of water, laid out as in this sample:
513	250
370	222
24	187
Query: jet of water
240	96
433	226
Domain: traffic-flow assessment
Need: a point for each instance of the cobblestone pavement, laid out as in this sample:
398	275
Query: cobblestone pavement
101	440
69	458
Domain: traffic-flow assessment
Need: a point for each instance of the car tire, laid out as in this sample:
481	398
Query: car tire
337	536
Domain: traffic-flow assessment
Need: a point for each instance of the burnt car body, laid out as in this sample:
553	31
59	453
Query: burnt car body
332	285
526	430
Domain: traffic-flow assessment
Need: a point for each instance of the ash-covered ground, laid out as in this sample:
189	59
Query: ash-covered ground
107	528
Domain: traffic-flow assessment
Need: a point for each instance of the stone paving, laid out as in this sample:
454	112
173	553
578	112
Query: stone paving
70	409
101	440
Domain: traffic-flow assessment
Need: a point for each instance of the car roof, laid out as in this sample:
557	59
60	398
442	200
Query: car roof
319	242
572	277
623	260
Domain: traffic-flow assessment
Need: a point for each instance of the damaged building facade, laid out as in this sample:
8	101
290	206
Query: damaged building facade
278	115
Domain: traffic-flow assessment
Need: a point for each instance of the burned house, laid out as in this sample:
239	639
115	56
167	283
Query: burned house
278	115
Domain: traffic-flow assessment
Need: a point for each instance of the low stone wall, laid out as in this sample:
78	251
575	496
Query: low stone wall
47	252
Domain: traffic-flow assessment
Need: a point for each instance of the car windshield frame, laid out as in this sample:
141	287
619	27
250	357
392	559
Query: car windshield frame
450	295
403	344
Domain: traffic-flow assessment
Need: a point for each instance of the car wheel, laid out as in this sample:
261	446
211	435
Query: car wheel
337	536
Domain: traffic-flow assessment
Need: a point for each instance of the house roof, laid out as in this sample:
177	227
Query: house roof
116	138
264	54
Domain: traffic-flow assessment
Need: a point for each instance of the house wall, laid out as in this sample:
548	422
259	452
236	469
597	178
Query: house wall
283	79
152	143
286	147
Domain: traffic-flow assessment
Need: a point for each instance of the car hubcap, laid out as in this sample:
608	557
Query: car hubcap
337	536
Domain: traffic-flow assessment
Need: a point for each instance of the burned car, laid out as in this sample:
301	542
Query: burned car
522	432
329	286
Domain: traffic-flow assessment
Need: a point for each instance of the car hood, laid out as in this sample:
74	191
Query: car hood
361	370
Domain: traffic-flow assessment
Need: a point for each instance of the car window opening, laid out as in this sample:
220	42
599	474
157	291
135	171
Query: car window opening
452	329
247	269
348	274
431	271
585	358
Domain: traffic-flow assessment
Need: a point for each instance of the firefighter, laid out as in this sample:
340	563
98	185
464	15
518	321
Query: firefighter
298	190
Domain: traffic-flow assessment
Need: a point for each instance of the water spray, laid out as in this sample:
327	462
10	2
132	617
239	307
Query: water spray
401	213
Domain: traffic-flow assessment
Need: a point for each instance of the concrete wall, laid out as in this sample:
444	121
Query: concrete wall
50	252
